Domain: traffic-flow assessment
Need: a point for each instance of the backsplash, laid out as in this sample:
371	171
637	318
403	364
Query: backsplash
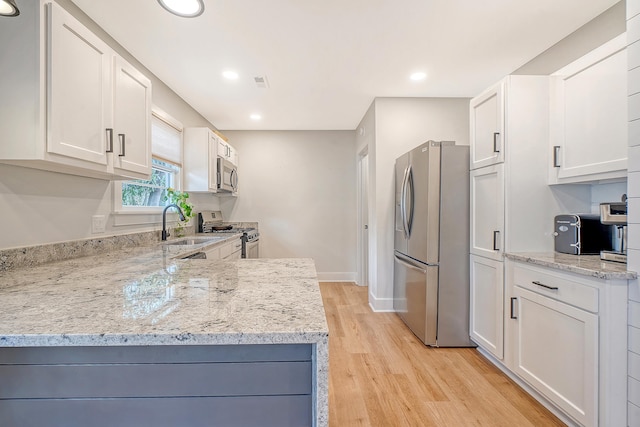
33	255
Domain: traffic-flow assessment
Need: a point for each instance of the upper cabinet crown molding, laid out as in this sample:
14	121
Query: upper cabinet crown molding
79	108
588	117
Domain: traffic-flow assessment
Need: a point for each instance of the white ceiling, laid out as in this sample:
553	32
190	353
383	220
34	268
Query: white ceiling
326	61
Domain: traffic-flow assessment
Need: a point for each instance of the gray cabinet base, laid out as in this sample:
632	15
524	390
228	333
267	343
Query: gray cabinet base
226	385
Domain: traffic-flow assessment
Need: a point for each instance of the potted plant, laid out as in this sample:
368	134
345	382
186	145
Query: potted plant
181	198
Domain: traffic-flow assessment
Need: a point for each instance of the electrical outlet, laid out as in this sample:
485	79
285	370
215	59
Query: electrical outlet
98	224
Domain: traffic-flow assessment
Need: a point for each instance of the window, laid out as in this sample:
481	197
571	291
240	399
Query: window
151	192
149	196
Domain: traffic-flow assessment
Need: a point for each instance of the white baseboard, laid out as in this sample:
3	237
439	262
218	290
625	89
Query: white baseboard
381	305
349	276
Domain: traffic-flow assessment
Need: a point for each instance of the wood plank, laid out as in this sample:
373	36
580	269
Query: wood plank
382	375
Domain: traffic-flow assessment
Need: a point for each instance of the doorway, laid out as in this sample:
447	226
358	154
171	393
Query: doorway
363	218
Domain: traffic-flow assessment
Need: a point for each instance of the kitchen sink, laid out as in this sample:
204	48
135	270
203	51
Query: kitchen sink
194	241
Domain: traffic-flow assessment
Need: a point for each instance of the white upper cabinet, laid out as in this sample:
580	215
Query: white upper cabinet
73	97
200	160
588	118
487	127
227	152
132	120
79	96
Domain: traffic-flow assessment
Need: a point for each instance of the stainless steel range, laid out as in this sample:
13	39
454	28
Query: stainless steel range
211	222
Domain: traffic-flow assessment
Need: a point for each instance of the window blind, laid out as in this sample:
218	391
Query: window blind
166	140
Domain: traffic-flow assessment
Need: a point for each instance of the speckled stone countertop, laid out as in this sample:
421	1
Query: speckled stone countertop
144	296
586	265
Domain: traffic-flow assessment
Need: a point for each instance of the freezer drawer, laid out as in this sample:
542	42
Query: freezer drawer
415	296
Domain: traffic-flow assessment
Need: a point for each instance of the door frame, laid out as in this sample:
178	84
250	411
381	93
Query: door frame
363	220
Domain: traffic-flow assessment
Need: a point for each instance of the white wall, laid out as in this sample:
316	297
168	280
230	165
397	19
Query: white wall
633	260
39	207
400	125
301	188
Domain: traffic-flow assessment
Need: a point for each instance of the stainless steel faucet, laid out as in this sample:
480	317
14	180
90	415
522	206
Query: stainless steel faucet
165	233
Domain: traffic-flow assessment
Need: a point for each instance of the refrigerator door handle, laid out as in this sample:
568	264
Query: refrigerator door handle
409	264
403	203
412	201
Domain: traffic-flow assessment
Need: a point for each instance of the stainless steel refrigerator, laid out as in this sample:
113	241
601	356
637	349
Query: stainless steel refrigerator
431	257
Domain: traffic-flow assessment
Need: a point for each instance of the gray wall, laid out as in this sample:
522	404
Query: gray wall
301	188
400	125
603	28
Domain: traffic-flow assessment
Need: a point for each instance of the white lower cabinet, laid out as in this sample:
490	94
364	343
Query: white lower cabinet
487	304
228	250
565	337
556	351
232	250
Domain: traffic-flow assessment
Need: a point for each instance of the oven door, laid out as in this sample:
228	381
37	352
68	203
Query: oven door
252	250
227	176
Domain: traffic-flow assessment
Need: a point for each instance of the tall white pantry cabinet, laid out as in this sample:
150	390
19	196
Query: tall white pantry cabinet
511	204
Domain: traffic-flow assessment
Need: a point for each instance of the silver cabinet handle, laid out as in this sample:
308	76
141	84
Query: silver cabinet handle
496	135
513	312
556	156
109	140
121	137
496	233
553	288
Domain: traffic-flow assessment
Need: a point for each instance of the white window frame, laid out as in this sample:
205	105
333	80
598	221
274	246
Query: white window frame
140	215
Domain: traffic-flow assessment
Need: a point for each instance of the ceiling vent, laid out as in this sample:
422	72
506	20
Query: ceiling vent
261	82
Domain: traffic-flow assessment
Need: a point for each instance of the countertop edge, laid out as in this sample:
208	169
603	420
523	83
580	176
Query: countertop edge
572	263
103	340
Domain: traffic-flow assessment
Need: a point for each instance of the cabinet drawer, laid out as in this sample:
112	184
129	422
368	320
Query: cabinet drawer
556	286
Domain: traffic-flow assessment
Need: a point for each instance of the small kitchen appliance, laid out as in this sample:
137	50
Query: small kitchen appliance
582	234
615	214
211	222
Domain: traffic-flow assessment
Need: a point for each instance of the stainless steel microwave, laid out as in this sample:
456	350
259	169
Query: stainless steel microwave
227	176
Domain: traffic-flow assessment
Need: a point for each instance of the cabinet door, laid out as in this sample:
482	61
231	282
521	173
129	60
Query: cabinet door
589	115
487	304
487	211
487	127
223	149
557	353
132	120
78	90
213	162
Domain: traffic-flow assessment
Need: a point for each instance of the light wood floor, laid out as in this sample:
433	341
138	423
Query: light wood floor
382	375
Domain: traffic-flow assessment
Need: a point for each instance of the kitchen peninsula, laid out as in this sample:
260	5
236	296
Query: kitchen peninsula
137	337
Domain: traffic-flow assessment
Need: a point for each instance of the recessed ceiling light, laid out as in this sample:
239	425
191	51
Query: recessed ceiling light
8	8
184	8
231	75
255	117
418	76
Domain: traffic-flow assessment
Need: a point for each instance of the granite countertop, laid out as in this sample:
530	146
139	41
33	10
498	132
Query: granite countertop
144	296
586	265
